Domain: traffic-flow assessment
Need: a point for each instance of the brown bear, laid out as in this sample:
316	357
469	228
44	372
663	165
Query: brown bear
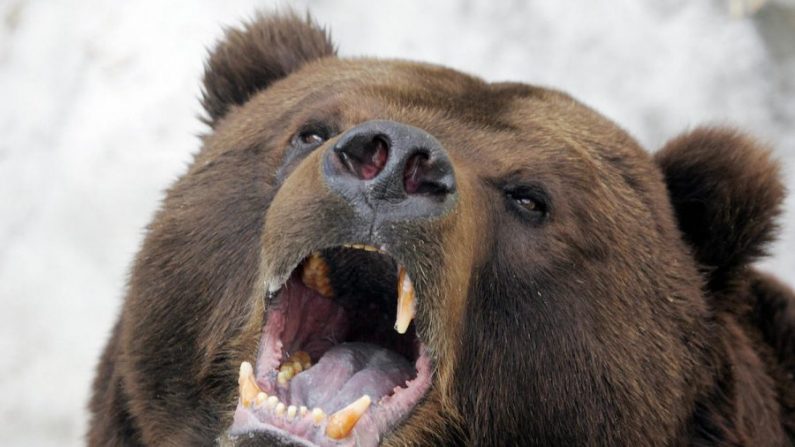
375	252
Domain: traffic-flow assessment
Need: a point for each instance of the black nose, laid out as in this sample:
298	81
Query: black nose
395	169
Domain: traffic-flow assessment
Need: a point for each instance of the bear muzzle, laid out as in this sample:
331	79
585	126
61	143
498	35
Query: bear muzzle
392	171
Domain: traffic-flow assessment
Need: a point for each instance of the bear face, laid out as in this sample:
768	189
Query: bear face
373	252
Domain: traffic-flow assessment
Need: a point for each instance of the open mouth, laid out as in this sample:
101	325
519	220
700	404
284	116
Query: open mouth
339	361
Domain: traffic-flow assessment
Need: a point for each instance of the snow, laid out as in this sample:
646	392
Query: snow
98	106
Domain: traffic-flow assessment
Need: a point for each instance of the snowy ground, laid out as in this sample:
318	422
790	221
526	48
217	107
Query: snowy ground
97	116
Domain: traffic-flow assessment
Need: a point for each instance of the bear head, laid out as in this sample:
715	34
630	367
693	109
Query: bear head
373	251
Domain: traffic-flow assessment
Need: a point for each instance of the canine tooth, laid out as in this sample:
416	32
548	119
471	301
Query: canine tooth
247	384
261	397
302	410
342	422
291	411
246	369
280	409
315	276
405	307
317	416
370	248
272	401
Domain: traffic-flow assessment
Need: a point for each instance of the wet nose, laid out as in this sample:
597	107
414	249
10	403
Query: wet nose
393	168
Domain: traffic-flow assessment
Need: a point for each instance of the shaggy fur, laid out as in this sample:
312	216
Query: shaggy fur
627	313
250	59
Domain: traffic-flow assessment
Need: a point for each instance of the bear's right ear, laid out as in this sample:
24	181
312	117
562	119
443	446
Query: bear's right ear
248	60
726	192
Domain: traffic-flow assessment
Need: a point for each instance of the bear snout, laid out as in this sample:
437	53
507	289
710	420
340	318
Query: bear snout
391	169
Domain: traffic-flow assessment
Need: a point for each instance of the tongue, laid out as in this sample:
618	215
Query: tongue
346	372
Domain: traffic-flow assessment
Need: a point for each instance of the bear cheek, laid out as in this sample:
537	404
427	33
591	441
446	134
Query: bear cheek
466	236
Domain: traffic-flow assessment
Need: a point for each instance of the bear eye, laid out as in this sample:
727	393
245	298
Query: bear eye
310	138
528	204
529	201
302	143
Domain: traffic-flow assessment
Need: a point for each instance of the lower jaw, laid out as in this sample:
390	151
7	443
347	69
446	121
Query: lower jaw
279	424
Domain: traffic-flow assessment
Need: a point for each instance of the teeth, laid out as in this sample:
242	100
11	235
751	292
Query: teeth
315	276
294	364
405	307
288	370
363	247
301	358
341	423
251	394
317	416
247	385
283	377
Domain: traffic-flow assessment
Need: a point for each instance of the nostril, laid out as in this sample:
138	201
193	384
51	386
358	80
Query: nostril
423	176
378	152
412	175
365	160
395	170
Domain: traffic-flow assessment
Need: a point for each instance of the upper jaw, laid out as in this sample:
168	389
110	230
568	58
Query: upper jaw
287	241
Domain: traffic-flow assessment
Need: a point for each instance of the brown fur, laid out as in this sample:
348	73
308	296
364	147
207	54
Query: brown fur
628	316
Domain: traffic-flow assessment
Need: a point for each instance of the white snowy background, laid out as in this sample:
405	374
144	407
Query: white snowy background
98	106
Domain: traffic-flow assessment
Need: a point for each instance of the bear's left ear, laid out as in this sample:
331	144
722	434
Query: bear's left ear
248	60
726	192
